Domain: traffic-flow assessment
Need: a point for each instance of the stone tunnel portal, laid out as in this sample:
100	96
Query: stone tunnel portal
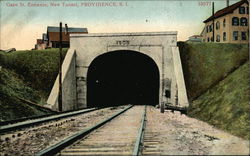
122	77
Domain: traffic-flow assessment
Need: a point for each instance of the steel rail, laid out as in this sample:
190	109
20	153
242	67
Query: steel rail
52	150
7	122
24	124
140	135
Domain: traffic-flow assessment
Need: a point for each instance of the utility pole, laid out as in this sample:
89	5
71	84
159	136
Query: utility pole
60	70
213	20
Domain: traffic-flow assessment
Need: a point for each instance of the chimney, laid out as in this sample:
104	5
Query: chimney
227	3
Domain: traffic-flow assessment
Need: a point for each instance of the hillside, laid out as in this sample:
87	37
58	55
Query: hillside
226	105
28	75
205	64
217	80
38	67
13	87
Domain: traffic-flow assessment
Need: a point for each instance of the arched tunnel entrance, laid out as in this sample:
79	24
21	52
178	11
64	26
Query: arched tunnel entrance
122	77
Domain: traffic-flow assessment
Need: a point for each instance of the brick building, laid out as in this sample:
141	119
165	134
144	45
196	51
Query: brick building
230	25
53	35
41	43
51	38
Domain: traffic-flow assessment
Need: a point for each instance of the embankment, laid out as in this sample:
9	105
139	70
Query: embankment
217	79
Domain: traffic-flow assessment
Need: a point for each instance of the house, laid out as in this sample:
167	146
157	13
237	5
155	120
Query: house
195	38
51	38
53	34
228	25
40	44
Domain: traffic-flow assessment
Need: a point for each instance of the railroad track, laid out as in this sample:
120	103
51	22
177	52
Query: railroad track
120	134
28	139
8	122
35	121
154	134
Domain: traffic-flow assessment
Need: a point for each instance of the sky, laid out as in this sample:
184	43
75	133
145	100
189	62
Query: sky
24	21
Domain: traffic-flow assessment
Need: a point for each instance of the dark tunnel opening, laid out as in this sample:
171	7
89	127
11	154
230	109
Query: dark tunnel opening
122	77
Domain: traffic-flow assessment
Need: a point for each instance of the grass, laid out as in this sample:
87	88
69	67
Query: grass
38	67
205	64
227	104
12	87
28	75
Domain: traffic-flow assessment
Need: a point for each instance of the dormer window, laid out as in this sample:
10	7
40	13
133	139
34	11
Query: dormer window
235	21
242	10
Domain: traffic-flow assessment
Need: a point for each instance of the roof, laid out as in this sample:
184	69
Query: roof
226	10
196	36
194	40
56	29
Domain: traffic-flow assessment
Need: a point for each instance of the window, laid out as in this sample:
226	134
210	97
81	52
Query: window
243	21
242	10
211	28
247	10
212	39
224	23
243	35
235	35
224	36
208	39
207	29
217	25
235	21
217	38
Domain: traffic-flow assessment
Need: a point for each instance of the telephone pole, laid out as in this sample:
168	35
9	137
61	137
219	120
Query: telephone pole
60	69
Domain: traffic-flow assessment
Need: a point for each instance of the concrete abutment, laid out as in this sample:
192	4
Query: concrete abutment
161	47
